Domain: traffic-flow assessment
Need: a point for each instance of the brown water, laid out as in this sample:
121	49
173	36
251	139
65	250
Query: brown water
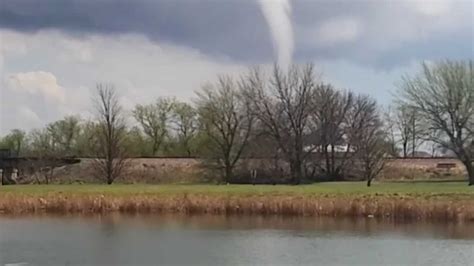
211	240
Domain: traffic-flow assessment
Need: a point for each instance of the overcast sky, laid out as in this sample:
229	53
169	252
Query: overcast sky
53	52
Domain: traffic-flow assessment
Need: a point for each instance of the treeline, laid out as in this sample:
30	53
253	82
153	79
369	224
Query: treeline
290	116
167	127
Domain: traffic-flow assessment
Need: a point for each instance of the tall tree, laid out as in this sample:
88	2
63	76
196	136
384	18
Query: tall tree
368	138
153	119
15	141
409	129
329	122
443	96
135	142
226	119
389	127
42	143
111	159
64	134
283	106
87	139
43	147
185	122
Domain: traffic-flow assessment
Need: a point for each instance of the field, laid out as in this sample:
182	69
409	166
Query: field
406	200
423	189
191	170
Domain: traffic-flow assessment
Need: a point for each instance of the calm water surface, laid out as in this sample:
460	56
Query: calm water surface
210	240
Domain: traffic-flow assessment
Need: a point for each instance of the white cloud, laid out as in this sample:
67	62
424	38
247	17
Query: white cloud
1	67
431	7
64	70
379	29
12	43
20	116
36	83
76	51
29	116
340	30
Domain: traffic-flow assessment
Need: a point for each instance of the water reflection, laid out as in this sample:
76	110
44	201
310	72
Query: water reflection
352	226
219	240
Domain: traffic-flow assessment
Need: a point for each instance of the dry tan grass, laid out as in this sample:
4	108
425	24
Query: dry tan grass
388	207
189	170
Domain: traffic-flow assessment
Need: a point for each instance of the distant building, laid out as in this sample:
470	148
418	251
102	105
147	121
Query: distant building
338	149
420	154
6	153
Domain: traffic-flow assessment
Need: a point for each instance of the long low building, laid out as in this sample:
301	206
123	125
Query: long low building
12	166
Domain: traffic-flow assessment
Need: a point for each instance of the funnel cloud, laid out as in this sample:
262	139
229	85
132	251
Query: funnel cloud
277	13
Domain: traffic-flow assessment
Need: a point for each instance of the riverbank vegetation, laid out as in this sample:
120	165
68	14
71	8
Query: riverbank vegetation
419	200
310	130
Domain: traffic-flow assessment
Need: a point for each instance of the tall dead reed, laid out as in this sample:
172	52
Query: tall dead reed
378	206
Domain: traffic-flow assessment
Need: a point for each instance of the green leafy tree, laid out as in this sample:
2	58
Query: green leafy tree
64	135
87	140
154	119
135	142
16	141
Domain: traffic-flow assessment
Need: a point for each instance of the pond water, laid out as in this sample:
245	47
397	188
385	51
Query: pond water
217	240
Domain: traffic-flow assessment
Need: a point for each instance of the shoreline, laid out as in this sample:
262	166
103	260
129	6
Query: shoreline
442	207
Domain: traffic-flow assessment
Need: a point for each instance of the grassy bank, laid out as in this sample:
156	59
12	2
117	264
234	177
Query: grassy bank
422	200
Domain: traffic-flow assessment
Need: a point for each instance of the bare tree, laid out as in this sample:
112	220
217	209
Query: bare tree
283	107
389	126
186	124
443	96
371	153
329	117
154	119
403	118
434	147
409	129
226	118
111	160
368	138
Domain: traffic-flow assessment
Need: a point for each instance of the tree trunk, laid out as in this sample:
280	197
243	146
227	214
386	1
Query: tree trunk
369	181
299	174
405	150
110	169
333	162
328	163
154	148
470	171
228	173
295	169
51	173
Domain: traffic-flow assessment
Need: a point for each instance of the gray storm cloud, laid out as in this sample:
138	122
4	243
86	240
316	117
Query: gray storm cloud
277	13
